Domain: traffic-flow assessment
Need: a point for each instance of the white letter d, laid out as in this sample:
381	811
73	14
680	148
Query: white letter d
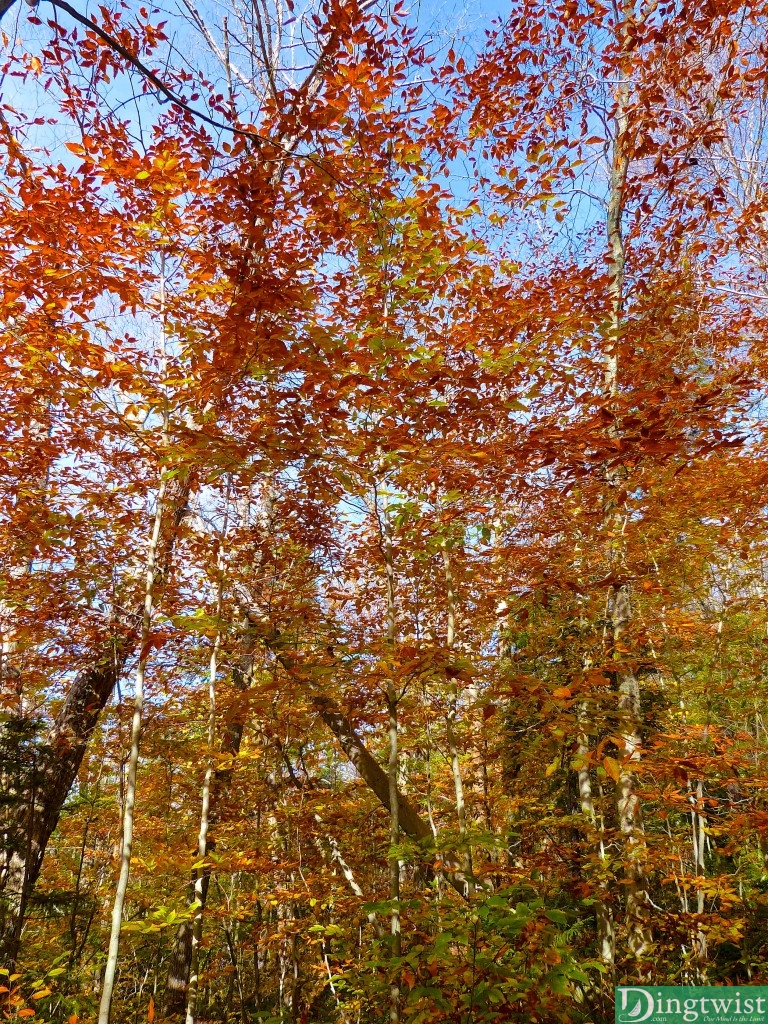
636	1013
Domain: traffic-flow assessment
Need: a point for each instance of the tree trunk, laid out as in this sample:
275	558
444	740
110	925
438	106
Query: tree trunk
180	964
137	725
385	536
175	994
6	5
202	839
450	731
33	806
366	765
606	936
627	801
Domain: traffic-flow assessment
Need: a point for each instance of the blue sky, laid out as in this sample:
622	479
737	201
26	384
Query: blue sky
460	24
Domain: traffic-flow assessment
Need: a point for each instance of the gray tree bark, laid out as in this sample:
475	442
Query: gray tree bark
35	798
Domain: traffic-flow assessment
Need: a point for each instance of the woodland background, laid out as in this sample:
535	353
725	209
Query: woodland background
383	458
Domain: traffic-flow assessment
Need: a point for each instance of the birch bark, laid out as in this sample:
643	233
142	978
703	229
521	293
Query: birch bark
137	724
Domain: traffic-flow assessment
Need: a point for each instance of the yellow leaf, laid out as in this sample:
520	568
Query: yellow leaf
612	768
141	175
42	993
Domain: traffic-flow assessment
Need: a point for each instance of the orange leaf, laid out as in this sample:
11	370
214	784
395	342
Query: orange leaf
151	1010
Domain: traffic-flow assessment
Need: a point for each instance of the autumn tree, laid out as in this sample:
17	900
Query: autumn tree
384	431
